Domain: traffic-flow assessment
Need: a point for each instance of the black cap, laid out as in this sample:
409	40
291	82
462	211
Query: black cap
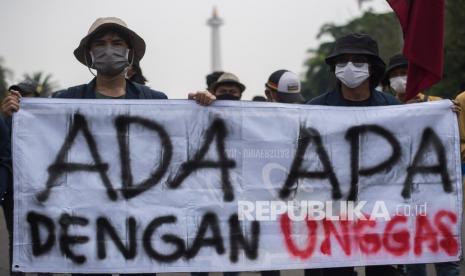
27	87
259	99
359	44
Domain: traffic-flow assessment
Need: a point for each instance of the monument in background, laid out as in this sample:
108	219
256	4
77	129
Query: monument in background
215	22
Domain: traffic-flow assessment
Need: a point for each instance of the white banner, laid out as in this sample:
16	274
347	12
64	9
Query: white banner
170	186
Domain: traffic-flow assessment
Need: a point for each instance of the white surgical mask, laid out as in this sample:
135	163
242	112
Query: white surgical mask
352	76
398	84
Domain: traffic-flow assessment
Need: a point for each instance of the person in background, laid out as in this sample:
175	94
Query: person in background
358	68
395	78
212	78
227	87
259	99
27	88
283	86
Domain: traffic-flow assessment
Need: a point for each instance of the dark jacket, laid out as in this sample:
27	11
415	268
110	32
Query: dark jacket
87	91
5	158
334	98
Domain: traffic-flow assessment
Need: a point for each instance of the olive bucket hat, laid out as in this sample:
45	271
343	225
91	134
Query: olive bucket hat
228	78
359	44
137	44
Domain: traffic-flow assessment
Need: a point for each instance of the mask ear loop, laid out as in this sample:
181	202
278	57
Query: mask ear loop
130	64
132	58
87	63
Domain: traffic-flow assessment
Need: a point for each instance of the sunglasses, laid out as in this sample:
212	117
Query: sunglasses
357	61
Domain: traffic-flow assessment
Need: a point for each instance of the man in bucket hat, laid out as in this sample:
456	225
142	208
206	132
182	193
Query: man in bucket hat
396	79
227	87
110	48
356	63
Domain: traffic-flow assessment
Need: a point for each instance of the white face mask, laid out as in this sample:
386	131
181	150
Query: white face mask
352	76
399	84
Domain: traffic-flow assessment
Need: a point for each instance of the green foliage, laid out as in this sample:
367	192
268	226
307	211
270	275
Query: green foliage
454	60
4	72
45	86
384	28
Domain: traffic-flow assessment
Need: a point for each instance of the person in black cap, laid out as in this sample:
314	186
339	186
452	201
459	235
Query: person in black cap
396	79
283	86
356	63
397	71
259	98
27	88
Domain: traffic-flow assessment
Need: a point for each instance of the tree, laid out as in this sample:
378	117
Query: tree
4	73
45	86
454	59
384	28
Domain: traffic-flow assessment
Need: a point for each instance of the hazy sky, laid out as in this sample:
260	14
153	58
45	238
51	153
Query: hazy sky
259	37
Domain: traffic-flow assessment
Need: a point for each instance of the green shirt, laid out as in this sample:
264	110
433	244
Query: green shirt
99	95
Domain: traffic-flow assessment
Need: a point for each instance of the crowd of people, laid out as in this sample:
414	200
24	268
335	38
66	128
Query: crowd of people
114	51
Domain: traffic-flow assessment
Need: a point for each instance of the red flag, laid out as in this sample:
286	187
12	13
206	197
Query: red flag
422	22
